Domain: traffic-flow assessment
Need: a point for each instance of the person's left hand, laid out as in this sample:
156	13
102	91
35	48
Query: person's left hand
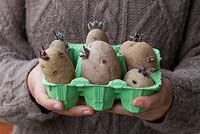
155	106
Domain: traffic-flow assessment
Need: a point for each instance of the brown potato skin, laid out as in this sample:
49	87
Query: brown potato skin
141	80
96	34
58	44
58	68
102	65
135	54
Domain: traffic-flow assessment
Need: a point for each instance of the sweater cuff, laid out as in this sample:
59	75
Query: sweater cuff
169	123
17	104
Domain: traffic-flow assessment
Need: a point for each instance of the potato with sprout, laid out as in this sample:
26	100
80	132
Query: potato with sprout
139	78
96	32
100	63
138	52
55	63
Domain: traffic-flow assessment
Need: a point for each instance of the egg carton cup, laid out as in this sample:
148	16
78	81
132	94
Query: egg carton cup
101	97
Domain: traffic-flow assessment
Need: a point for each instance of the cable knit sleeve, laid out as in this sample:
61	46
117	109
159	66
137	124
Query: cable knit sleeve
184	115
16	61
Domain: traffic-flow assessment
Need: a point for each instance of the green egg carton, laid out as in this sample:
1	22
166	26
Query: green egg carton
101	97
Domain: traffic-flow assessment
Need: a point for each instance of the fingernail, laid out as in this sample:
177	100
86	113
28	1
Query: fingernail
139	103
57	107
86	112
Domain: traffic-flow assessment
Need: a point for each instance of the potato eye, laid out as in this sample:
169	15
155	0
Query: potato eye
103	61
60	54
54	72
42	66
134	82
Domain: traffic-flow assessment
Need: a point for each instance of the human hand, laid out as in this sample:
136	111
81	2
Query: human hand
38	91
155	106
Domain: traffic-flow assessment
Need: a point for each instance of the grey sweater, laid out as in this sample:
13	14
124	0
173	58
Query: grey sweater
173	26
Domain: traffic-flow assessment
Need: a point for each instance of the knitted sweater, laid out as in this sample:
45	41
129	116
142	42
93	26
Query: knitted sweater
172	26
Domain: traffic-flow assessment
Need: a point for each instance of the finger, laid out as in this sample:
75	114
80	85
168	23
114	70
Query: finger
43	99
34	79
118	109
37	90
155	100
148	102
58	107
150	115
77	111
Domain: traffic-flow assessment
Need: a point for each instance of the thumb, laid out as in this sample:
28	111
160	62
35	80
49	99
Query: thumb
147	102
163	97
42	98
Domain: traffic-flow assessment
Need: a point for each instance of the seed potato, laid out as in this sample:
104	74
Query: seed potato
138	80
137	53
58	68
100	63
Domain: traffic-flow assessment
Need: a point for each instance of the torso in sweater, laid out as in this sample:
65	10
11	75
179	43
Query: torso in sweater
161	21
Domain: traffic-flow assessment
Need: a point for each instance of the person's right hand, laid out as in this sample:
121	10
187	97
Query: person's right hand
38	91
